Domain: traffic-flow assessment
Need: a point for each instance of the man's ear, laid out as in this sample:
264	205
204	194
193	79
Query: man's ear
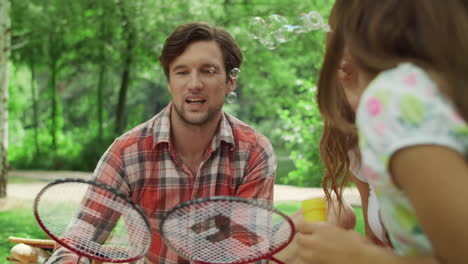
231	85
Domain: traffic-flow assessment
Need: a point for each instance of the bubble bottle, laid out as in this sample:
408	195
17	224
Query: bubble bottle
315	209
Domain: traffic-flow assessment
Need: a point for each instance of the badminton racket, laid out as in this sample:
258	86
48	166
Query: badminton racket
93	220
223	229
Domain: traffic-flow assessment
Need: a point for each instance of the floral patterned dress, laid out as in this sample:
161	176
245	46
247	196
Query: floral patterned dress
403	107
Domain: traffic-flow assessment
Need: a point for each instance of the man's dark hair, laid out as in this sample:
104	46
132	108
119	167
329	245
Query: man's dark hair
185	34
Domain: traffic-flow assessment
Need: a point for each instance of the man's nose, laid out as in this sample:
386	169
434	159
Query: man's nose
195	81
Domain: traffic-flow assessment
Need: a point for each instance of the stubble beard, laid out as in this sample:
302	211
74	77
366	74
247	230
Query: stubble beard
211	115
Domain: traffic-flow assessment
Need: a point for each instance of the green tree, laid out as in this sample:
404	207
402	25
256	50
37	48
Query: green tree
85	71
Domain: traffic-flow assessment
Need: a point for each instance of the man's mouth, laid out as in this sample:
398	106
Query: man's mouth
195	101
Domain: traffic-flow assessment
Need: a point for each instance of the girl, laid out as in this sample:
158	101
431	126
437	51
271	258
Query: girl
412	108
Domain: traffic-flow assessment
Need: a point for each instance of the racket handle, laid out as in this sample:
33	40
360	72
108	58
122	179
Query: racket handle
315	210
40	243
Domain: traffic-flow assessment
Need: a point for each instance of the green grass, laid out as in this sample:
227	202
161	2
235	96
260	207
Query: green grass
359	221
19	179
291	207
19	223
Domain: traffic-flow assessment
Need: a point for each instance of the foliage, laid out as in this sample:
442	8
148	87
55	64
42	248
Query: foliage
82	69
303	127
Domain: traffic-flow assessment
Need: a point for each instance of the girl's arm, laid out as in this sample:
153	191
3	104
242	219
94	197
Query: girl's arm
327	244
435	179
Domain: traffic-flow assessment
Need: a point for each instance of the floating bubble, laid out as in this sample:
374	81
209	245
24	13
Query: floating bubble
311	21
269	41
276	22
276	29
212	69
234	73
256	27
269	32
281	36
231	97
292	28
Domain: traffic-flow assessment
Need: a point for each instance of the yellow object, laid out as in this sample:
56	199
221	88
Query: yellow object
315	209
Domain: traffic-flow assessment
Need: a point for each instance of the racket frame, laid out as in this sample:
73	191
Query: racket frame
257	203
98	185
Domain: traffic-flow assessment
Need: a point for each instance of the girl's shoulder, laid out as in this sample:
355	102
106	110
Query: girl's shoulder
405	78
405	107
406	87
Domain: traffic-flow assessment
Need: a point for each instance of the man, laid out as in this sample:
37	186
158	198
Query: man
192	148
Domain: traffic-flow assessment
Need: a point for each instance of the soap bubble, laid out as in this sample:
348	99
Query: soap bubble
231	97
276	29
312	21
276	22
256	27
234	73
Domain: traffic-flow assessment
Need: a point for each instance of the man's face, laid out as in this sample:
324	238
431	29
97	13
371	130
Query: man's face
197	82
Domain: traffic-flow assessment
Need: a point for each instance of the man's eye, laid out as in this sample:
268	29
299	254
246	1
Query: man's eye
182	73
210	70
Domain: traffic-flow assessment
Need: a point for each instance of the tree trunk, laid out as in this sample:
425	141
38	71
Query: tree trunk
120	116
35	107
5	30
53	99
128	53
102	73
100	104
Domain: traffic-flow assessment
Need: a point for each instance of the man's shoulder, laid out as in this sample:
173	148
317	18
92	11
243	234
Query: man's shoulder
246	134
142	133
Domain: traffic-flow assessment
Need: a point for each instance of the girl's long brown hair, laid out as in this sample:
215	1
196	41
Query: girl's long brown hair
430	33
379	35
339	135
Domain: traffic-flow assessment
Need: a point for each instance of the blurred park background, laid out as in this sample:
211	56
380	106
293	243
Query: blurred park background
83	72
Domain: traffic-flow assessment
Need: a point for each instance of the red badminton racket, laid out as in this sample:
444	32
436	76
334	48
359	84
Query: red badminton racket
223	229
93	220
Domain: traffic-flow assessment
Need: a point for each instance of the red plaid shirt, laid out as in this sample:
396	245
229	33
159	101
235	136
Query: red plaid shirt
143	164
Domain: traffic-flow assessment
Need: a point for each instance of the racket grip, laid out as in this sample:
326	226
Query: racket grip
315	210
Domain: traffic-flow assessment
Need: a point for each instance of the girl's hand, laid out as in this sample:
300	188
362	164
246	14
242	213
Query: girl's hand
321	243
289	254
344	218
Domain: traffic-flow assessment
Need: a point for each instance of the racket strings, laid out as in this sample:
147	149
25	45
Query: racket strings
135	223
225	231
93	221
